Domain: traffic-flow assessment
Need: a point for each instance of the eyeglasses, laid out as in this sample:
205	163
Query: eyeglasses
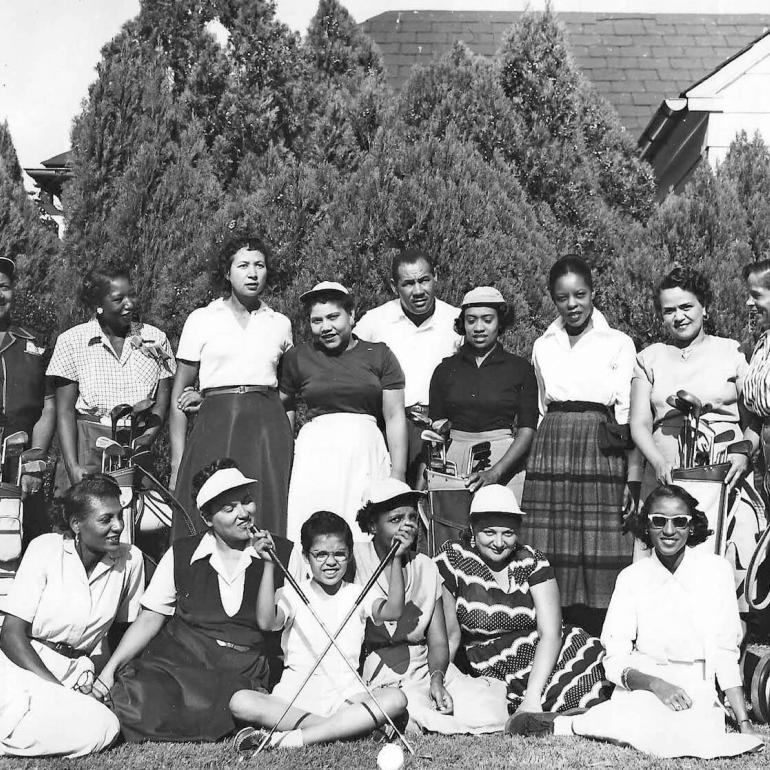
322	556
658	521
90	684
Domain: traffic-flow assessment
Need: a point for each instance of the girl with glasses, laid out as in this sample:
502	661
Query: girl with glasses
672	632
333	705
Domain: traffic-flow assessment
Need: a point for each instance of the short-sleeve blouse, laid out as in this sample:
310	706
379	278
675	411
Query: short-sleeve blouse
230	354
351	382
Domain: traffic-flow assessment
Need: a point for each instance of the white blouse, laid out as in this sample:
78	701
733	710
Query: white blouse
230	354
160	595
656	617
64	605
598	368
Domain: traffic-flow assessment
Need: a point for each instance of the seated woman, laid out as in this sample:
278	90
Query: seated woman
333	705
197	632
413	653
672	627
68	592
502	604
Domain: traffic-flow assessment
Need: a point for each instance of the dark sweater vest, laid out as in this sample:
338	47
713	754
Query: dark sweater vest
199	604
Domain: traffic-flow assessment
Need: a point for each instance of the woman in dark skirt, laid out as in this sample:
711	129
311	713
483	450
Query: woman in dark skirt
233	347
197	632
575	490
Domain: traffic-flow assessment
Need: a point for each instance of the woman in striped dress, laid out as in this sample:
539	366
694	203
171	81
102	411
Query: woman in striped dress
575	490
502	604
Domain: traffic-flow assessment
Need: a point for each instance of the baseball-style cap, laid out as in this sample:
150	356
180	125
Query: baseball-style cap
495	498
385	490
221	481
324	287
8	267
483	295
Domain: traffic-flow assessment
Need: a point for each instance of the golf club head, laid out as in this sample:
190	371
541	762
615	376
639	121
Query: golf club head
33	455
420	419
142	406
141	441
671	401
34	466
104	441
720	438
690	398
742	447
432	436
117	413
20	438
442	426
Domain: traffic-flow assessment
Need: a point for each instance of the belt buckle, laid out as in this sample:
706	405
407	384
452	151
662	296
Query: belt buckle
241	389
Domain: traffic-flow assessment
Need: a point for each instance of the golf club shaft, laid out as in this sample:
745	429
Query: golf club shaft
303	598
372	580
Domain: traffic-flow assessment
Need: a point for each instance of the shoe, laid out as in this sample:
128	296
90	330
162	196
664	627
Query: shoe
530	723
250	739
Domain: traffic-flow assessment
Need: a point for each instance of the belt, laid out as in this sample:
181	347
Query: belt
68	651
578	406
237	389
233	646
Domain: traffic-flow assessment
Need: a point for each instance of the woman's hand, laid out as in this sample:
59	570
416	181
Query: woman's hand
262	542
102	686
739	466
190	400
76	473
674	697
442	700
480	479
663	470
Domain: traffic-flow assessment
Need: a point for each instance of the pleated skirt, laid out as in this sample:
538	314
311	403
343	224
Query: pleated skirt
253	430
573	497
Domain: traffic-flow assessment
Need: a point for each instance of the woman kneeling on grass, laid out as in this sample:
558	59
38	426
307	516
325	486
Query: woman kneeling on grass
333	705
197	632
672	629
413	653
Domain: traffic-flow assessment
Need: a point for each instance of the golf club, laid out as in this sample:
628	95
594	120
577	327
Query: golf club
139	412
103	442
13	446
118	413
719	439
437	442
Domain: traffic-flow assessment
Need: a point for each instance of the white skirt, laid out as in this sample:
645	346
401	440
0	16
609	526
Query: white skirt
336	457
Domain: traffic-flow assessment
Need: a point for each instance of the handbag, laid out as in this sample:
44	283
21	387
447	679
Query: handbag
614	438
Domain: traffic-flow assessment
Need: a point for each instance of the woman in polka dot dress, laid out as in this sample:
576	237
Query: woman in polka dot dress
502	605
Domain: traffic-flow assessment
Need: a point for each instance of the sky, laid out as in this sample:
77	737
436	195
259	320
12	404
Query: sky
49	50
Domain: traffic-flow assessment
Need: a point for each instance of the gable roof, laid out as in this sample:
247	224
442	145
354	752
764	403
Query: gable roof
635	60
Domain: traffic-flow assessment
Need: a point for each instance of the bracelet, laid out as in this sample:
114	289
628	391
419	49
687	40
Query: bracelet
624	678
437	671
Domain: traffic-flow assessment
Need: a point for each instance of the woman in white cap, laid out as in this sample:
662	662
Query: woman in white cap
502	606
347	386
576	488
197	633
413	653
488	394
233	347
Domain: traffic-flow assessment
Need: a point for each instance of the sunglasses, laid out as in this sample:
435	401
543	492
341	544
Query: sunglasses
658	521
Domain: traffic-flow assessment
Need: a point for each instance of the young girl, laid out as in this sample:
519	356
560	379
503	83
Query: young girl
413	653
332	705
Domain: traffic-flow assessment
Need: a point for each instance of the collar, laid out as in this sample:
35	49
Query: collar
107	562
400	316
684	569
218	305
556	328
207	548
95	335
496	355
14	333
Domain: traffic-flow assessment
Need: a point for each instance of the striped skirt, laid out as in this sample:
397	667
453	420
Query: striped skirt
573	498
577	680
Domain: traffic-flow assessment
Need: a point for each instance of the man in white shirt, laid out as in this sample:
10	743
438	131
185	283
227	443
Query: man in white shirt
419	329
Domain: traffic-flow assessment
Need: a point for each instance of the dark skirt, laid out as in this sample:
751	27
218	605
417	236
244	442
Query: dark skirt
573	498
253	430
180	688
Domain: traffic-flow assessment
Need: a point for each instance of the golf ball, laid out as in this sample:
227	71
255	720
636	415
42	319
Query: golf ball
391	757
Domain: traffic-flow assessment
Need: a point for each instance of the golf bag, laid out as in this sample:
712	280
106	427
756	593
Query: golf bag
445	515
11	531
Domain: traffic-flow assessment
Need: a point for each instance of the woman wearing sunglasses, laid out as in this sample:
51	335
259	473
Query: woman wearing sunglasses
672	631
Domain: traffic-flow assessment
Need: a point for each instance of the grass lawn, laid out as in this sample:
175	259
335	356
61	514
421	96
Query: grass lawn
485	752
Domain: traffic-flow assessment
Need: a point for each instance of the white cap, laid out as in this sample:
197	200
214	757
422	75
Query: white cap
324	286
385	490
483	295
495	498
221	481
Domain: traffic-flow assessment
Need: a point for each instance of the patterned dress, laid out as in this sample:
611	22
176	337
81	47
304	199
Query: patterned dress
499	629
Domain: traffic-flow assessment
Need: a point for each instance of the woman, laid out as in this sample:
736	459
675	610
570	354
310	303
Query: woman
672	631
110	360
67	594
575	490
756	388
233	347
347	385
197	632
502	604
711	368
486	393
331	704
413	653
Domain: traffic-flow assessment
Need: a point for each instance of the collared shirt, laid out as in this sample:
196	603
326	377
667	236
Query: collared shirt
23	359
498	394
419	349
63	604
756	387
598	368
656	617
160	595
84	354
230	354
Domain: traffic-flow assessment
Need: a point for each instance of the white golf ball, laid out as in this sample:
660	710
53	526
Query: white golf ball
391	757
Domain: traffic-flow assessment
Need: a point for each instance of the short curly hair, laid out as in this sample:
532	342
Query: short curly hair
637	522
325	523
504	318
232	242
95	285
81	498
686	279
